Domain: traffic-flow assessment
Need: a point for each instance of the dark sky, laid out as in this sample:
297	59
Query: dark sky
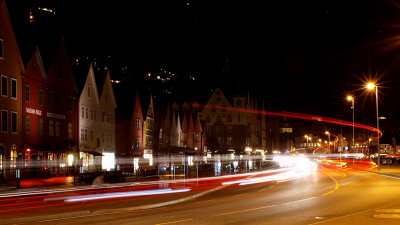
299	55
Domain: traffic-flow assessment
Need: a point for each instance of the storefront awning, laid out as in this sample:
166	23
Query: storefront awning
95	153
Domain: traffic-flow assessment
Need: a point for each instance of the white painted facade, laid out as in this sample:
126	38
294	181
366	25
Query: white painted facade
96	124
107	123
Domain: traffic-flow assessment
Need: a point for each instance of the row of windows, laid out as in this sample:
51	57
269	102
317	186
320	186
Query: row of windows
229	118
105	117
54	127
53	98
219	129
5	86
228	140
89	135
5	119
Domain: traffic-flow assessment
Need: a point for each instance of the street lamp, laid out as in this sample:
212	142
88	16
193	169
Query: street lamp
372	86
351	98
329	138
307	138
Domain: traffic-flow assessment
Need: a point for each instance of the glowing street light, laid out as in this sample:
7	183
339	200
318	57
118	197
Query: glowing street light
372	86
329	138
351	98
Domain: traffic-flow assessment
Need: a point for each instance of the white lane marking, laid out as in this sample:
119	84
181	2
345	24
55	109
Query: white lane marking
387	216
388	210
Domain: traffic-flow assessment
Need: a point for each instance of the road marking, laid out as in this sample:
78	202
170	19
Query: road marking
240	195
388	210
387	216
264	207
176	221
336	183
352	214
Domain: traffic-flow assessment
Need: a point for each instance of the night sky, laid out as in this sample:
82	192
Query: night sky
300	56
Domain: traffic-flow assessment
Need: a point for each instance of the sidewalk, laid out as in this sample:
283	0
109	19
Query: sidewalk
389	170
57	182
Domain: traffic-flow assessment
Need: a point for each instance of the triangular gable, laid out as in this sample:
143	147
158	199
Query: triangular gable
10	50
90	79
36	59
108	90
184	123
150	110
61	60
167	119
191	125
217	99
197	127
137	109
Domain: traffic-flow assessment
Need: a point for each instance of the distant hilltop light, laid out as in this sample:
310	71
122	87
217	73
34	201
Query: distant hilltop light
115	81
47	10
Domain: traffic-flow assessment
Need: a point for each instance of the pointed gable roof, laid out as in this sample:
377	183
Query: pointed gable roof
107	89
150	110
184	123
12	55
61	60
36	58
217	99
197	127
137	109
167	119
191	125
90	78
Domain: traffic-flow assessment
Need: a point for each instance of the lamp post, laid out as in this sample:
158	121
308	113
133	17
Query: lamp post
372	86
329	138
306	143
351	98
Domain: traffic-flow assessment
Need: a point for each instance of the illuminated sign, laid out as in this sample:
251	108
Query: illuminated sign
34	111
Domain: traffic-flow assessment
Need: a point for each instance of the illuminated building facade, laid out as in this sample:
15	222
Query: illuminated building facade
49	113
97	122
11	70
232	128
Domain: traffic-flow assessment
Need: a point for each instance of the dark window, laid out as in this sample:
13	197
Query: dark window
40	126
69	104
4	121
50	98
27	93
14	122
1	49
27	124
41	99
4	85
13	88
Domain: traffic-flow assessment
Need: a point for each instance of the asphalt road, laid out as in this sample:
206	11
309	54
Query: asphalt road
328	196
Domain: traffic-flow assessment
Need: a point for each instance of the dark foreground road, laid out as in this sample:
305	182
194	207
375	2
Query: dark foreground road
328	196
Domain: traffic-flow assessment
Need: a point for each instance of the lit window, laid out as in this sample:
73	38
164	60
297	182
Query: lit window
57	126
138	124
229	141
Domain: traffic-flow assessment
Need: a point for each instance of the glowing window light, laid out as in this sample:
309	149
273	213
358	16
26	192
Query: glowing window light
108	161
70	159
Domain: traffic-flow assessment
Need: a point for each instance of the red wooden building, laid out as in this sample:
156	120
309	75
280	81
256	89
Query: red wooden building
11	70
